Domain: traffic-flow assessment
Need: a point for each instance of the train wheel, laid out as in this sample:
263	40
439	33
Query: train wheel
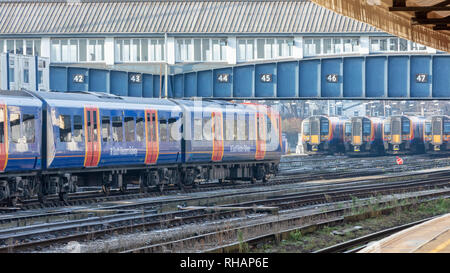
106	189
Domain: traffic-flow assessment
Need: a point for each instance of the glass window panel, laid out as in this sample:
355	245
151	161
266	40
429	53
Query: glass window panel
216	50
118	51
135	51
10	46
163	130
393	44
117	129
152	50
355	45
403	45
250	48
78	128
383	44
19	46
37	47
65	128
29	47
190	50
106	129
268	49
198	129
260	48
327	46
126	51
374	45
73	50
347	45
55	51
2	46
317	46
206	51
99	50
64	51
223	49
241	50
197	49
91	50
161	49
83	51
26	76
140	129
29	127
144	45
337	44
129	129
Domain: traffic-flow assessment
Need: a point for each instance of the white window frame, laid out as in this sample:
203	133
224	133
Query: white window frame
74	51
270	51
131	50
4	46
185	50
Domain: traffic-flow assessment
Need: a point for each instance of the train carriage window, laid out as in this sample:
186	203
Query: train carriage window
251	127
2	125
229	128
117	129
198	134
269	130
246	127
77	128
151	129
241	127
446	128
366	128
129	129
174	131
306	129
89	126
139	129
29	127
207	128
65	128
163	130
348	128
324	127
95	123
106	129
261	128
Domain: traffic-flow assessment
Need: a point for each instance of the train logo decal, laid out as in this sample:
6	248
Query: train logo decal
92	136
4	136
151	137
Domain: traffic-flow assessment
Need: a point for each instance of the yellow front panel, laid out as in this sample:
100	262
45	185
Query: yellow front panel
396	138
357	139
315	139
437	139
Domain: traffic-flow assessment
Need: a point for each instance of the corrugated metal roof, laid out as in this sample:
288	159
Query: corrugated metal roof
188	16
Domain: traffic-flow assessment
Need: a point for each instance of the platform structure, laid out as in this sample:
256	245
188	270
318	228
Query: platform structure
430	237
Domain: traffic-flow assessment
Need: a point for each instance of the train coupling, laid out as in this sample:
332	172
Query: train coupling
396	147
356	148
315	148
437	147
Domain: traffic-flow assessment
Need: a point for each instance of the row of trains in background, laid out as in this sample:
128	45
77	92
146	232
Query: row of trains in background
400	134
52	143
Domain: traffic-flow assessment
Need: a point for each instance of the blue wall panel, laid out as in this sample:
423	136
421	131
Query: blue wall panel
147	86
441	76
58	78
353	77
420	65
287	80
119	83
77	86
373	76
98	80
398	72
190	85
266	80
243	82
309	80
223	88
205	84
376	78
331	67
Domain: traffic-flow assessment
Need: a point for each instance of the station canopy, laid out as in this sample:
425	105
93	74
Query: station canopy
422	21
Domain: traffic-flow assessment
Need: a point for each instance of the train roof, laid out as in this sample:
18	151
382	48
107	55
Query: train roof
19	98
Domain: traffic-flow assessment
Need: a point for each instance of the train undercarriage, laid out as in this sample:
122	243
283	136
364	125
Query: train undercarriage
21	187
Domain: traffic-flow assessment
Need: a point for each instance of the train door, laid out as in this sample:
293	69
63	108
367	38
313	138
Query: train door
3	137
151	136
260	136
93	146
217	132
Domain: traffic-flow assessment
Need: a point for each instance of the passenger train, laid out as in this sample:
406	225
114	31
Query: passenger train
322	135
437	134
403	134
52	142
363	136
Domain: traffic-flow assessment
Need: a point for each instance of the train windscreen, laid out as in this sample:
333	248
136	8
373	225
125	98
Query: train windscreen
324	124
427	128
348	128
405	127
306	129
447	127
315	127
437	126
396	126
356	128
387	128
367	128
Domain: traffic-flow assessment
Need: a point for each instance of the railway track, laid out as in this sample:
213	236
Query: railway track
41	235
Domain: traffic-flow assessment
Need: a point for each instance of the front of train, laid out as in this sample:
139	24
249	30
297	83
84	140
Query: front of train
362	136
437	134
403	134
321	135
